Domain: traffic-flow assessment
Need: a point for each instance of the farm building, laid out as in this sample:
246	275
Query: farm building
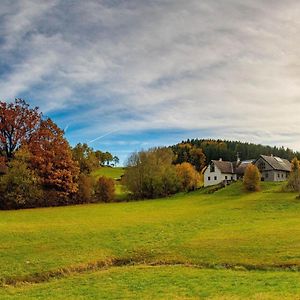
272	169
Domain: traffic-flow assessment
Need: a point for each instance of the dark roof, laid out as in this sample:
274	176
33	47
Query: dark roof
241	168
277	163
232	167
224	166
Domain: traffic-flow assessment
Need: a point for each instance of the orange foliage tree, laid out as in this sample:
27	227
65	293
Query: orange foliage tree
252	178
52	158
18	122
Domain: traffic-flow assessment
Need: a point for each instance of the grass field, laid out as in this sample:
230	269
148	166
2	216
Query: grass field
114	173
229	244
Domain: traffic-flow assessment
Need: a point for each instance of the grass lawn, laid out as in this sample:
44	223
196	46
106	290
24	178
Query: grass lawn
168	282
111	172
227	234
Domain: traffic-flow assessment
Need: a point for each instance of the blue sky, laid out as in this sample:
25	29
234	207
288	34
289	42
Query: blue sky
125	75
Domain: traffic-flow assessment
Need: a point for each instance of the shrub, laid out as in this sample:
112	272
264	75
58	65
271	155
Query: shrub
20	186
252	178
86	189
188	176
105	189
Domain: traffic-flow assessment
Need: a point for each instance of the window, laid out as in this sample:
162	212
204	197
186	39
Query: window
208	178
216	177
225	177
267	175
212	168
278	175
231	177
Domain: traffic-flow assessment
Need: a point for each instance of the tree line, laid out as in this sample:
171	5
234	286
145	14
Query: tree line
38	167
227	150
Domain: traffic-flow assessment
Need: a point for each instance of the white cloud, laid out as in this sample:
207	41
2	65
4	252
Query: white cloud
230	67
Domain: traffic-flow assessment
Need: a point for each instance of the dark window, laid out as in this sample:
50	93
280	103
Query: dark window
231	177
226	177
208	178
278	175
216	177
212	168
267	175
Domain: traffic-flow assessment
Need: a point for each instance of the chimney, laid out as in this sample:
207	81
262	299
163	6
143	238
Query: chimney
220	159
238	160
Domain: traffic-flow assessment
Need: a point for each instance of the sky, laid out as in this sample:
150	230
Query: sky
125	75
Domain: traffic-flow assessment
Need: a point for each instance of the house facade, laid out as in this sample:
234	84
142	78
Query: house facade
219	171
271	168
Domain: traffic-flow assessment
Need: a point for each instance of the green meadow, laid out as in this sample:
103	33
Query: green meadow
227	245
114	173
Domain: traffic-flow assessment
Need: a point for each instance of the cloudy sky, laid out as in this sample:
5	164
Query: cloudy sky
130	74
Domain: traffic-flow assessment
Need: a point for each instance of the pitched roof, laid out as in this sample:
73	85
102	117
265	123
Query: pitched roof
241	168
277	163
224	166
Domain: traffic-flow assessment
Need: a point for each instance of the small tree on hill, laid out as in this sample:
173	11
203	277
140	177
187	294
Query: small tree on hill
294	178
252	178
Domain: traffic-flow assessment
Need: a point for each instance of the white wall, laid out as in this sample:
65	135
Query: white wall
220	177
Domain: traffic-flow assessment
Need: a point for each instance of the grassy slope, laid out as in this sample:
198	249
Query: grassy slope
228	228
114	173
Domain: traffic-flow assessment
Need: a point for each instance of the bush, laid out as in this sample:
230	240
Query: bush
86	189
188	176
105	189
20	187
252	178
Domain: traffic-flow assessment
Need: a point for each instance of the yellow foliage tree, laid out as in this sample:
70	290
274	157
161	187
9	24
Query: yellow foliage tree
252	178
188	176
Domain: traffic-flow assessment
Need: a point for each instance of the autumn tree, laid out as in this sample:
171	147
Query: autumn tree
105	189
293	183
18	123
52	158
189	178
252	178
197	158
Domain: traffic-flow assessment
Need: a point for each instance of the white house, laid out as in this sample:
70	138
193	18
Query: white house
219	171
271	168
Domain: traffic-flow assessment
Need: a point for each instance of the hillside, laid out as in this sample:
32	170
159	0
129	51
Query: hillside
229	243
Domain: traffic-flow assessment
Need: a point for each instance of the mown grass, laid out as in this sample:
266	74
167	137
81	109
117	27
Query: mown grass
227	229
168	282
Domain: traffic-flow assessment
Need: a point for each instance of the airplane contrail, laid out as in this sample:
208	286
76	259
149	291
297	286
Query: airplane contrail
102	136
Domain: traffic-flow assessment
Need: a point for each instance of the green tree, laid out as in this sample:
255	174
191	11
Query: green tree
20	187
86	158
151	174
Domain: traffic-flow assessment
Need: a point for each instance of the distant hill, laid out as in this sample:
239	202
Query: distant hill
228	150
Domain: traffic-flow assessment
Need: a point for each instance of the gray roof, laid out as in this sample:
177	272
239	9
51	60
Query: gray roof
224	166
277	163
